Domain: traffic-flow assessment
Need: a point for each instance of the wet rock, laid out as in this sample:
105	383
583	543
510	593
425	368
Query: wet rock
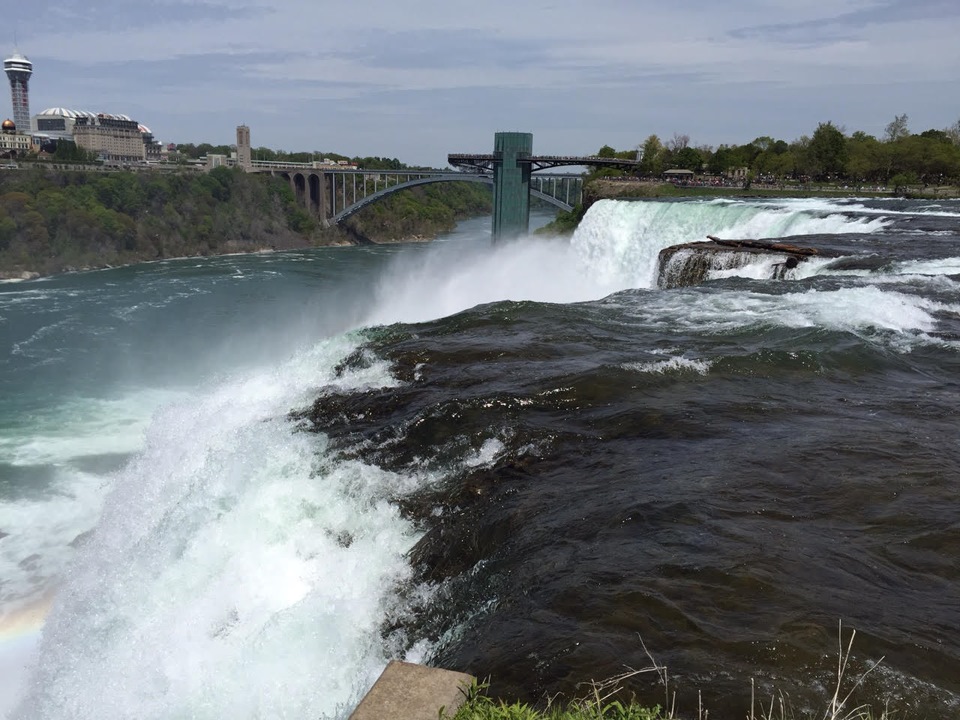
691	263
19	275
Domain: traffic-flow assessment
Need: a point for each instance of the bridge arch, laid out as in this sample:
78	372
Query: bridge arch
300	187
315	195
452	177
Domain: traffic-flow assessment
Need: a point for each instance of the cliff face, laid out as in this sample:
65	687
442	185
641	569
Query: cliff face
54	221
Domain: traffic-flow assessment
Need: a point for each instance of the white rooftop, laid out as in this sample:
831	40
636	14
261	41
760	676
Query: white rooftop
18	58
74	114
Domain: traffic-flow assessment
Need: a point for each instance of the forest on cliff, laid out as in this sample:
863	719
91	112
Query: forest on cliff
51	221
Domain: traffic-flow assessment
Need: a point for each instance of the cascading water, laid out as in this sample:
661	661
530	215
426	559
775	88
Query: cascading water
621	241
241	568
690	266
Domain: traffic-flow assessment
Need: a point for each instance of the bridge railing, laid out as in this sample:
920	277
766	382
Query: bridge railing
486	161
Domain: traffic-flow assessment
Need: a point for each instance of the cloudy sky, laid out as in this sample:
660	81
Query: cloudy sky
416	79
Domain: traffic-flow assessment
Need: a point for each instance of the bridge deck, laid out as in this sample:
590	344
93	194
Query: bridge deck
486	161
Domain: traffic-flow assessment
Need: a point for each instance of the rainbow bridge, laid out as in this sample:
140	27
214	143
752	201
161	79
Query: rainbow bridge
334	193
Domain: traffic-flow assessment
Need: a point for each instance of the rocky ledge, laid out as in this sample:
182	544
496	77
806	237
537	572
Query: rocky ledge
691	263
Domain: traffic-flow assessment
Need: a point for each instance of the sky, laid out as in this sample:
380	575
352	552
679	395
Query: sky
417	79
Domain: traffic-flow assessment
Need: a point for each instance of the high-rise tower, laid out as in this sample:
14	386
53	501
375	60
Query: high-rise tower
19	70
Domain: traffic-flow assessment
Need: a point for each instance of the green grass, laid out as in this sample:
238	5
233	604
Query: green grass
601	703
480	706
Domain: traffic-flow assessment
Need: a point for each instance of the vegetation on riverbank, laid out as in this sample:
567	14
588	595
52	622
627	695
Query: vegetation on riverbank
604	700
422	212
482	707
54	221
898	159
829	163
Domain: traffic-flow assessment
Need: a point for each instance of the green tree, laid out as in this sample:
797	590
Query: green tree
651	161
827	151
901	181
606	152
70	152
689	158
8	230
863	158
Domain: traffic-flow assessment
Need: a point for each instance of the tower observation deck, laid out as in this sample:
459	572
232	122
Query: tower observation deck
19	70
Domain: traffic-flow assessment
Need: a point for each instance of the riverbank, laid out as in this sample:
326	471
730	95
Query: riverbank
53	222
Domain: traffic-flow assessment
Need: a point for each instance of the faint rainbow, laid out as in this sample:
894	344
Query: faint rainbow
28	619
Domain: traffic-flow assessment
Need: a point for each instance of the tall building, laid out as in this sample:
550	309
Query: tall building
243	147
19	70
115	138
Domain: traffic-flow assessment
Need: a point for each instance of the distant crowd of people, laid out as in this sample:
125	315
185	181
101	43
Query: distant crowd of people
764	183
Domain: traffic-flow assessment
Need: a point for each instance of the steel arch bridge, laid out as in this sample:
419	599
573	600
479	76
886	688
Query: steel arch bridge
334	193
462	177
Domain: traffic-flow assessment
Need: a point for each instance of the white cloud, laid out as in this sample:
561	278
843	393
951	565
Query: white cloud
190	68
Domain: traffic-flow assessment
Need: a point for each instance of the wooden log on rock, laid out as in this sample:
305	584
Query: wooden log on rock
691	263
789	248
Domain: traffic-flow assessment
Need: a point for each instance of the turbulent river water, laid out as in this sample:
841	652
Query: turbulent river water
236	487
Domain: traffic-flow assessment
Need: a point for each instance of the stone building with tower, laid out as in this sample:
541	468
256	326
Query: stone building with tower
243	147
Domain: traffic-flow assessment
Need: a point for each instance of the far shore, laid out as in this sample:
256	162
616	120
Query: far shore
9	277
600	189
630	187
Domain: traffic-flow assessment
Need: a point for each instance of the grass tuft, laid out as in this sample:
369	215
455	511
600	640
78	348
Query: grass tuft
601	701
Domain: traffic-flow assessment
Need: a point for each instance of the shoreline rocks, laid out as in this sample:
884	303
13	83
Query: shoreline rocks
17	275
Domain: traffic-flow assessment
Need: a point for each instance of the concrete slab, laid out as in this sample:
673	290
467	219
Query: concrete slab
406	691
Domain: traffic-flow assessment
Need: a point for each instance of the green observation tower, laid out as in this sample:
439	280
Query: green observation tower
511	184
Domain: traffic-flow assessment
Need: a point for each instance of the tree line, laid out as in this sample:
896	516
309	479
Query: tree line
899	158
51	221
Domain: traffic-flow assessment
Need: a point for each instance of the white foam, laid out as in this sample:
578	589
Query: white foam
235	572
620	241
39	533
671	365
82	427
881	315
934	210
939	266
487	454
15	657
455	277
233	554
23	347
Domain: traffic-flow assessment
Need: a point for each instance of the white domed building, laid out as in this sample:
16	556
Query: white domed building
57	123
115	138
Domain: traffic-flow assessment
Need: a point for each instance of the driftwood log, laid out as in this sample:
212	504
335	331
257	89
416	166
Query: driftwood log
706	256
800	252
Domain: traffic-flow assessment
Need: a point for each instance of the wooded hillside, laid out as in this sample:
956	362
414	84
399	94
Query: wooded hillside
53	221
